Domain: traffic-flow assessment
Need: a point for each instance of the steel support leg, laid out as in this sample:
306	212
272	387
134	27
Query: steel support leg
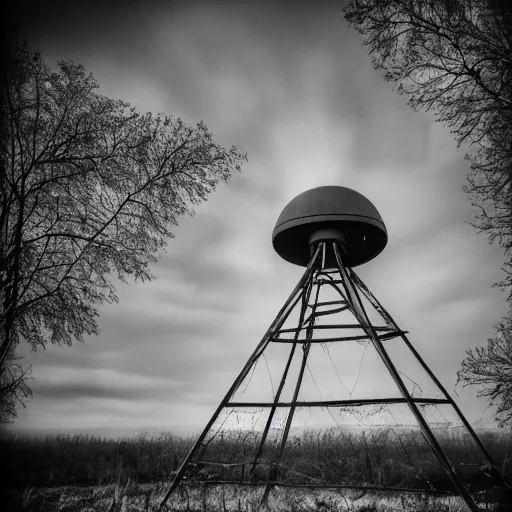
360	313
274	470
305	300
276	325
389	320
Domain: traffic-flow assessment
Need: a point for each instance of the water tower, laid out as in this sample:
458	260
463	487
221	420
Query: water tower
330	230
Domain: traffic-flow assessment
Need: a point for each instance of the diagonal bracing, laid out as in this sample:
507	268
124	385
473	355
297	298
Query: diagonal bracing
262	459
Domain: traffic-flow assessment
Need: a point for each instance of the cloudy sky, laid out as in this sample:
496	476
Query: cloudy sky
294	88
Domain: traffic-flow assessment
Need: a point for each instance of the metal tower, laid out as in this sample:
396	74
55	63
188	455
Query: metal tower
328	230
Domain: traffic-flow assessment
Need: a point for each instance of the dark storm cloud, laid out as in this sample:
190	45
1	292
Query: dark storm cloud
168	348
188	49
85	391
87	22
120	332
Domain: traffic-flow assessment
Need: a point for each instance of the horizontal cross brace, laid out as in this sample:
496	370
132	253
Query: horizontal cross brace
341	403
334	326
316	314
328	303
331	281
382	337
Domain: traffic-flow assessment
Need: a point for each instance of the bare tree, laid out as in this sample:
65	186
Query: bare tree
89	189
14	390
454	58
490	369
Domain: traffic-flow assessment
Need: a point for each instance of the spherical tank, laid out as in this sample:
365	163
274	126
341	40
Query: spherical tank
330	213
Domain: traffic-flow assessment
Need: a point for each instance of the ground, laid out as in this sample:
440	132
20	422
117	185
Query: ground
133	497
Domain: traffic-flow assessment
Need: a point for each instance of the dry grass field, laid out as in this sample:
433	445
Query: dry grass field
133	497
84	473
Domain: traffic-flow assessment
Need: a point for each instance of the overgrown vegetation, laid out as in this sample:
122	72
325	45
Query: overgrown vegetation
382	457
90	473
134	497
